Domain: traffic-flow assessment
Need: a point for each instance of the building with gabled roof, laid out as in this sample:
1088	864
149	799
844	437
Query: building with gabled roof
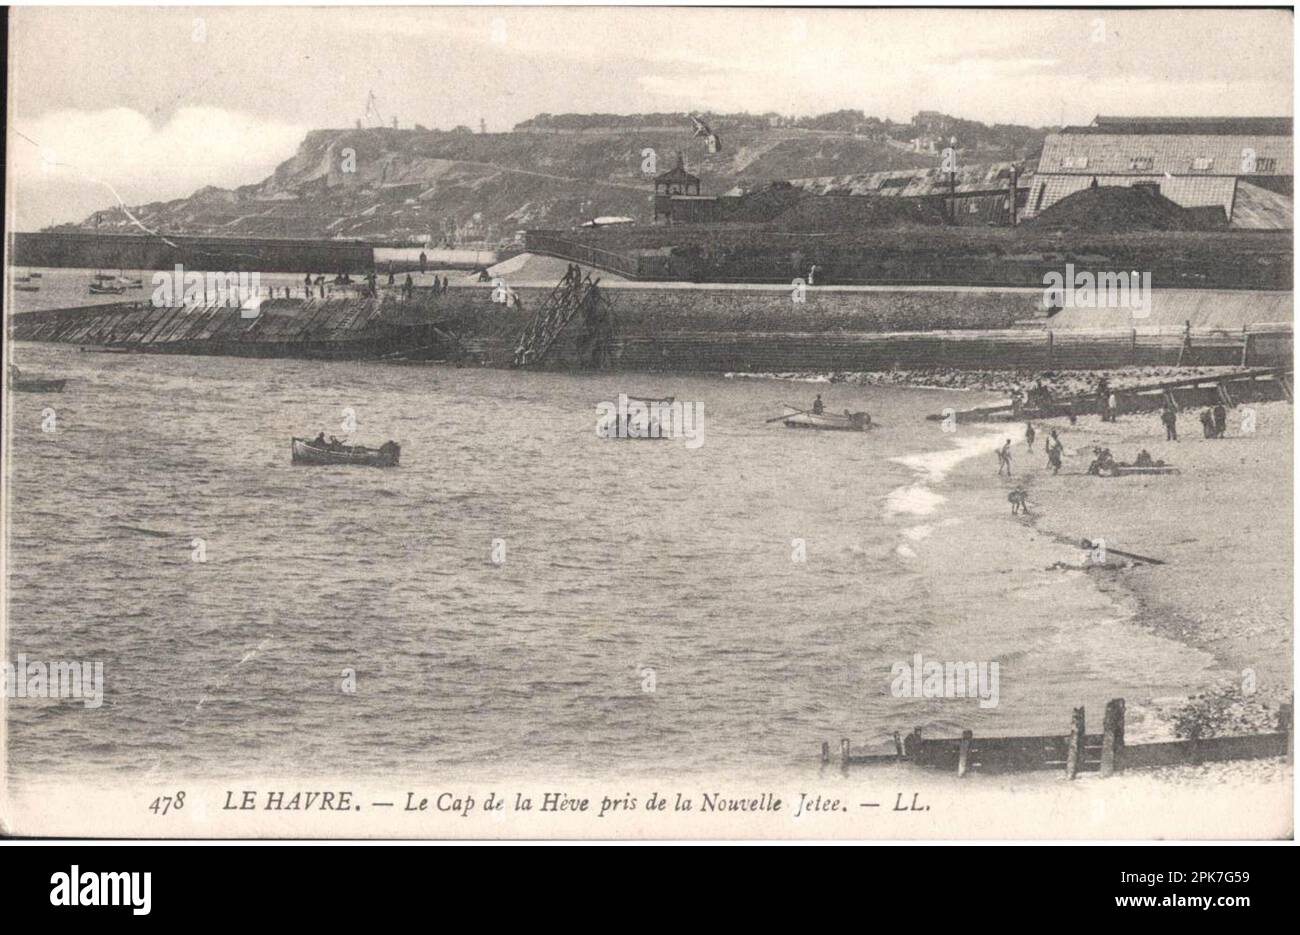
1244	165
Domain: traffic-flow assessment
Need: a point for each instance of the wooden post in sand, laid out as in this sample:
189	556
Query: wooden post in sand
1074	753
844	753
963	754
898	747
1112	741
1285	714
826	752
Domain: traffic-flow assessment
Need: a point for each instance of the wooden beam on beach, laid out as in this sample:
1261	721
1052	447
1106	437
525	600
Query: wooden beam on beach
1089	546
1074	754
1112	742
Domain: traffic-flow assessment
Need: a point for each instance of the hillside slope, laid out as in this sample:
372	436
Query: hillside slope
382	183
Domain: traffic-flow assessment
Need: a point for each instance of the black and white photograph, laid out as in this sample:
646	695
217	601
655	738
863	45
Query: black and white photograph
634	423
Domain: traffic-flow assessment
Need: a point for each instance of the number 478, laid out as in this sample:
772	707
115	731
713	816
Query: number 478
165	803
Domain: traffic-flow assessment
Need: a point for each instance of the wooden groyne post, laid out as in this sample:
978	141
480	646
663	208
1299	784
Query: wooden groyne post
963	753
1285	716
1074	753
1112	738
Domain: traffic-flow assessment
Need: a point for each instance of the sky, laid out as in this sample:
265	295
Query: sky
150	104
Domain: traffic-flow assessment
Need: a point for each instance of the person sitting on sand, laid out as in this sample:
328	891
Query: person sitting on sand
1103	461
1017	499
818	406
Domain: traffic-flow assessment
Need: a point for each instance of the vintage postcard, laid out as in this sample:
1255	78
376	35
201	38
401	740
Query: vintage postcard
648	423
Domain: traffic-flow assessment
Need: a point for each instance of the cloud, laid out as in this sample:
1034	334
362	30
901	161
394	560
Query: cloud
68	163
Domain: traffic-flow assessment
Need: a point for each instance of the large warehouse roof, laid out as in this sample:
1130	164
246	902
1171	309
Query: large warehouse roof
1160	154
1201	126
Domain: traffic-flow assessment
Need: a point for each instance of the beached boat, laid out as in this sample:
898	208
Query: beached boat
97	289
21	287
306	451
796	418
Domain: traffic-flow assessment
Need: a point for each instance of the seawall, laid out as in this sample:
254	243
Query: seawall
680	327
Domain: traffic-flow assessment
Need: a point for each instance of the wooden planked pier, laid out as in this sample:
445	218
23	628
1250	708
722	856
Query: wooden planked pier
1258	384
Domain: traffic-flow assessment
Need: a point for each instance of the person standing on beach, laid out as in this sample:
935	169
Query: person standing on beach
1054	451
1112	406
1029	435
1220	420
1004	458
1169	416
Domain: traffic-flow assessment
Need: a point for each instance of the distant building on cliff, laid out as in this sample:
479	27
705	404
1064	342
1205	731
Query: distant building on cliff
1243	165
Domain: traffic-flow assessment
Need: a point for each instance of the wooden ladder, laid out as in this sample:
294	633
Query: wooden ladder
568	298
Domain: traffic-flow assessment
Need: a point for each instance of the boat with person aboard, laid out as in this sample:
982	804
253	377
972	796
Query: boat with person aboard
796	418
316	451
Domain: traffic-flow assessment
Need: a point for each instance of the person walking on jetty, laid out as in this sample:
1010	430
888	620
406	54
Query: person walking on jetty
1030	434
1169	416
1004	458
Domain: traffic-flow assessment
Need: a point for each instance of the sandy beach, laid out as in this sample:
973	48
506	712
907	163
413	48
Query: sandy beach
1222	527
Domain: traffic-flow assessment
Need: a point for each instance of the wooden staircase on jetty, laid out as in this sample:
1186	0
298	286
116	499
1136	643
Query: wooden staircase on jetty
572	295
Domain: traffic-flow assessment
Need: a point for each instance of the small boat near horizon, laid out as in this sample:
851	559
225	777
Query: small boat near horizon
310	451
796	418
100	289
24	384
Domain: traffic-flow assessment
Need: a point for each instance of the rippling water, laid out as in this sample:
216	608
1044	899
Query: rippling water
624	561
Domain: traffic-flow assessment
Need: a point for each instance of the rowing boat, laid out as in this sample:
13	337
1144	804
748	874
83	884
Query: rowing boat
797	418
37	385
96	289
308	452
